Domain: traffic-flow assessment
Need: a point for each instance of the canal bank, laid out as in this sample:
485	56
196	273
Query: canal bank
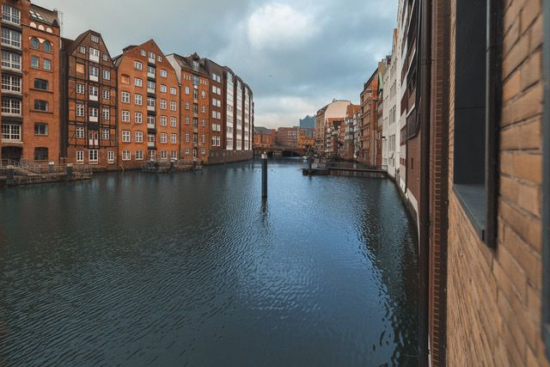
194	269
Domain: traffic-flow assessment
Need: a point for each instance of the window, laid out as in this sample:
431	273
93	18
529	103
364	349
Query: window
139	137
173	138
105	134
125	116
138	99
187	106
139	155
11	38
11	14
95	39
106	58
35	43
138	65
187	120
143	53
139	118
152	154
40	154
203	151
35	62
125	136
163	121
203	138
151	102
174	155
11	83
106	94
159	58
478	81
187	151
47	64
173	91
138	82
80	156
47	47
164	155
151	70
110	157
187	90
80	89
203	94
94	73
152	86
151	120
11	60
163	73
163	138
80	110
94	54
94	92
80	132
106	114
93	156
11	132
125	98
187	137
163	88
173	106
196	80
106	75
126	155
125	79
40	128
82	50
94	112
163	104
41	105
173	122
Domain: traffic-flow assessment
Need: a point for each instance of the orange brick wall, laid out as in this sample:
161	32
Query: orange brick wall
494	296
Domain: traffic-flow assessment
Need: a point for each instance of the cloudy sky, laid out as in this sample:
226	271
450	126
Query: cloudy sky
296	55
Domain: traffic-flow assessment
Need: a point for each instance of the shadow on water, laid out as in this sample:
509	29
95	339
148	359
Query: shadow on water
196	269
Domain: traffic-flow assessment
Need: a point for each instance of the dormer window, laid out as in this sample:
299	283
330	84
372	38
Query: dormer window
95	39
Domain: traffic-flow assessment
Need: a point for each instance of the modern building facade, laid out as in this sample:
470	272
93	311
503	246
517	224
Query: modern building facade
89	94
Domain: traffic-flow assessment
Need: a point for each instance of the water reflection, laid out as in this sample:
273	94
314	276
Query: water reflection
195	269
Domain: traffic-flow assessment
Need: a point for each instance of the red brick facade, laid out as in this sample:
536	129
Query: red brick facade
148	106
90	103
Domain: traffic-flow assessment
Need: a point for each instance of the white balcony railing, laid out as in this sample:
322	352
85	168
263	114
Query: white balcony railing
150	125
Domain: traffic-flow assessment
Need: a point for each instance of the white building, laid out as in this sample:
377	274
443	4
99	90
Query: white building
390	130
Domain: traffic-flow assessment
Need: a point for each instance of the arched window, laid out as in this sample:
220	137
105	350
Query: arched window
34	42
47	47
187	90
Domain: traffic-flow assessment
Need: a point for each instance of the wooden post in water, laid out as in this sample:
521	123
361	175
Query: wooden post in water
10	179
264	175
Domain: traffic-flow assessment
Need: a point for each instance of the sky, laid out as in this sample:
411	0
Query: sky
296	55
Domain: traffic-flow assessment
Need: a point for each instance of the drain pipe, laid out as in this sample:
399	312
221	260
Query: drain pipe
424	235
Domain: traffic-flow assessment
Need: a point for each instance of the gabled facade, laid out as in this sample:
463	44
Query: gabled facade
195	106
369	120
89	91
148	106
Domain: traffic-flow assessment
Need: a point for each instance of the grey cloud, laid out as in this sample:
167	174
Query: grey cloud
288	82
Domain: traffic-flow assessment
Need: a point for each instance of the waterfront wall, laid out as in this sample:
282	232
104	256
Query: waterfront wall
494	294
222	157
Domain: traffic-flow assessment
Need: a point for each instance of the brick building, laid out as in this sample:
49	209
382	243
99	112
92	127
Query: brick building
89	95
369	120
217	105
264	138
30	82
148	106
195	106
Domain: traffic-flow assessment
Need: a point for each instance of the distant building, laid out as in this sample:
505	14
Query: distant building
264	138
335	111
307	122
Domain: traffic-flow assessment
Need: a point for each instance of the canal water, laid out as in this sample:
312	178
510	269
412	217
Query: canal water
192	269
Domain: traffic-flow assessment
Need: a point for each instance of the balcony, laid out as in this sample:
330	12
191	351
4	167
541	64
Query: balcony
151	108
151	60
151	90
151	125
151	144
13	141
151	75
94	78
94	98
93	119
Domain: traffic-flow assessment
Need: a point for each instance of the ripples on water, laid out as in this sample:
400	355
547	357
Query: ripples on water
194	270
